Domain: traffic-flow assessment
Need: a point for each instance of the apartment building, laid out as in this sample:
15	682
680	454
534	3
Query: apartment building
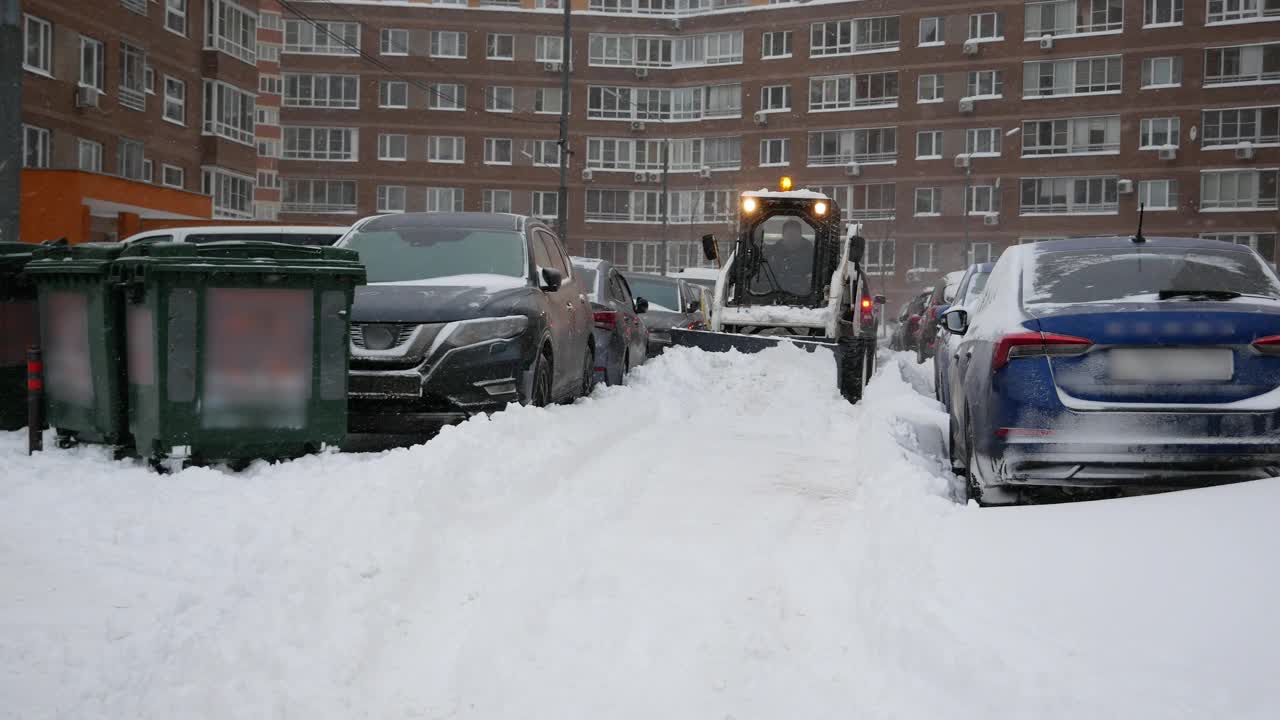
951	130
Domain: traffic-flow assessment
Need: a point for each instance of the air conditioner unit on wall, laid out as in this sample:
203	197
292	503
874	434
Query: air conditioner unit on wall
637	126
1046	42
705	173
655	177
588	175
642	72
1124	187
991	219
962	161
762	117
1245	151
853	169
553	66
1168	153
87	97
640	177
966	105
971	47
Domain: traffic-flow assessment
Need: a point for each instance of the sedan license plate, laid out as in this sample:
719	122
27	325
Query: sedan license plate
1171	365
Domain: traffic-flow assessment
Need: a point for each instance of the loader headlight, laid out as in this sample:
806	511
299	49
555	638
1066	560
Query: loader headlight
749	205
820	208
471	332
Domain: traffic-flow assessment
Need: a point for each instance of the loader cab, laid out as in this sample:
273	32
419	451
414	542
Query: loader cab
788	245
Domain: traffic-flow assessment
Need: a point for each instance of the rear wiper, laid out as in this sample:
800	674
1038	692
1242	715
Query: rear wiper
1205	294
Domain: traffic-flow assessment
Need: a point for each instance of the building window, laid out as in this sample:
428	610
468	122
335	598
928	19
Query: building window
321	143
231	29
319	196
133	87
982	142
232	193
88	155
1071	136
846	92
35	147
38	45
448	44
446	149
775	152
393	94
723	48
1228	11
983	200
228	112
979	253
321	91
1066	78
393	147
1073	17
986	26
173	176
928	202
390	198
268	180
175	100
1263	242
268	52
270	84
93	64
1237	126
929	89
922	256
775	98
546	153
862	145
880	256
129	159
175	16
497	151
500	46
1158	194
873	201
1238	190
444	199
447	96
1070	196
499	99
1159	133
776	44
1245	64
929	145
321	37
269	148
270	21
496	201
393	41
846	37
1161	72
267	116
1161	12
547	101
932	32
545	204
548	49
985	84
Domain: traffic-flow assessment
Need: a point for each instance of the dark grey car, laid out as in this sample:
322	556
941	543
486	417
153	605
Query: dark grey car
622	342
672	303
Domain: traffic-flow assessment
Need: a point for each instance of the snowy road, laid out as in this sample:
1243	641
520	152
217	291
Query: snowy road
725	538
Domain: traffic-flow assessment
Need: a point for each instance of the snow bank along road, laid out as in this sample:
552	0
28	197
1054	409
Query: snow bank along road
725	538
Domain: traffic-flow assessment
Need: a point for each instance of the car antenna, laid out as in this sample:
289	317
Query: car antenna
1142	208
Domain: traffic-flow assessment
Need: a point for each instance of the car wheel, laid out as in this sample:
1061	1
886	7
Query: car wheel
972	487
588	372
541	396
626	369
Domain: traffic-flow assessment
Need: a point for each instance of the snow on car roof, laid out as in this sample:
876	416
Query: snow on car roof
586	262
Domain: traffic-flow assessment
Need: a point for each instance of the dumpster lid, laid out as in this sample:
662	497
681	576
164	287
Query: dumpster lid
16	253
85	257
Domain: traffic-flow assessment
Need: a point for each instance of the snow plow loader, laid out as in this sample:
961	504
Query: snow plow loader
794	275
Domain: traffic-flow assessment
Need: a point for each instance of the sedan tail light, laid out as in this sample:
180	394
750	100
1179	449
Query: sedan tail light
606	319
1268	345
1034	344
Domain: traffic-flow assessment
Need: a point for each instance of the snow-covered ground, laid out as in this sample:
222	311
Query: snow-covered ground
724	538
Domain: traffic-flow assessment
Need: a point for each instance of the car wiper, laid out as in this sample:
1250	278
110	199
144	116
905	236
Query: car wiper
1205	294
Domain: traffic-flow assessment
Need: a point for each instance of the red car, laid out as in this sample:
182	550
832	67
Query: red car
906	335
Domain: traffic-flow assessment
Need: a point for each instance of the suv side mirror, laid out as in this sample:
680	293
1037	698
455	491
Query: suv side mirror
709	248
551	279
880	300
956	321
642	306
857	248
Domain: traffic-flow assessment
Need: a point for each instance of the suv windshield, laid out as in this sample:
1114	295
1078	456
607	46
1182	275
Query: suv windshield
1141	274
424	253
661	294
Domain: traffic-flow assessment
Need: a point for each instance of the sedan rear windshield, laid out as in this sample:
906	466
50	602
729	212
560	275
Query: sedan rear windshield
661	295
423	253
1140	274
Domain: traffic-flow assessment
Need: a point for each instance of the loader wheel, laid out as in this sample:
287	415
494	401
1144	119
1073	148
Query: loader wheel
853	366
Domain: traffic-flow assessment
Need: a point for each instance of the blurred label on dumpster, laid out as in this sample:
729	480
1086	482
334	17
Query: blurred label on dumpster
18	329
141	345
258	355
68	373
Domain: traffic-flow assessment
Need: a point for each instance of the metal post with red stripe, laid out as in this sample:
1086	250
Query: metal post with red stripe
35	400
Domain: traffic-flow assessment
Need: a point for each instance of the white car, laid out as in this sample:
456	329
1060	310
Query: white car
290	234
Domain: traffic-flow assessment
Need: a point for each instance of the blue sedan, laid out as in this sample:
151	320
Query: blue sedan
1118	364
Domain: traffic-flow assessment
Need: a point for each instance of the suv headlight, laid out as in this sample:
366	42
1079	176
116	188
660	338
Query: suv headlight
471	332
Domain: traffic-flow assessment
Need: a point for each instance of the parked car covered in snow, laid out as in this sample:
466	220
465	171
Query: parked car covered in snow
622	341
939	300
672	302
907	329
289	234
971	286
1118	363
463	314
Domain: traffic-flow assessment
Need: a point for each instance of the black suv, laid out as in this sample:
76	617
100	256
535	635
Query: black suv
463	314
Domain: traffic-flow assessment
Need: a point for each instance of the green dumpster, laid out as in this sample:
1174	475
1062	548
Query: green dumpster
81	337
18	330
237	350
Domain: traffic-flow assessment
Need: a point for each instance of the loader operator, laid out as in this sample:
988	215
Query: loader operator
791	259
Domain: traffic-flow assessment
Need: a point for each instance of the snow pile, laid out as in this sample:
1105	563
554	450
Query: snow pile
724	537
